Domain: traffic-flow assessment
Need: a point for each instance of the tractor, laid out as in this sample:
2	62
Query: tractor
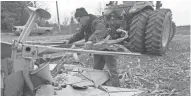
149	29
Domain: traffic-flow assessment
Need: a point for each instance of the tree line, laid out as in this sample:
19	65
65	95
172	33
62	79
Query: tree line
13	14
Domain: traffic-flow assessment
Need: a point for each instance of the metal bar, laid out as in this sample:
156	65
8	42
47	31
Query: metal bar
14	50
54	44
58	16
26	25
24	35
50	50
28	28
45	43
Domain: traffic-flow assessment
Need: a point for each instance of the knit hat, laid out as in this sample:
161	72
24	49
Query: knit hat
81	12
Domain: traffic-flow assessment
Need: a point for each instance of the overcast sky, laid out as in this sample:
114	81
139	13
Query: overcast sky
180	8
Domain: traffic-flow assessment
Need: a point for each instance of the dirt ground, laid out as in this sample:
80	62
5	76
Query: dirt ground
165	75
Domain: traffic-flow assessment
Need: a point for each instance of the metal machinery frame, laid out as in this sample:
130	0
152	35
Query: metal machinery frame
25	55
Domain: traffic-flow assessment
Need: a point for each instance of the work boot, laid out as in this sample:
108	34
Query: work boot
114	79
99	62
112	66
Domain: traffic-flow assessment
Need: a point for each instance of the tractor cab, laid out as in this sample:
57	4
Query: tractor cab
128	7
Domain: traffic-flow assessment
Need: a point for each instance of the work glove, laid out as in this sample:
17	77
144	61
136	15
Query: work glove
88	45
122	32
66	42
119	30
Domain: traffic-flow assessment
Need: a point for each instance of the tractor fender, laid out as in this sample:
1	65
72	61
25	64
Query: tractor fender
138	6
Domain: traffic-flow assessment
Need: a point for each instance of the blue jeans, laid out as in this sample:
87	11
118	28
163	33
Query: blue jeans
111	63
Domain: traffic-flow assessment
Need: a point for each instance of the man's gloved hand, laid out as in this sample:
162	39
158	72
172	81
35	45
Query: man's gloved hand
88	45
65	41
119	30
122	32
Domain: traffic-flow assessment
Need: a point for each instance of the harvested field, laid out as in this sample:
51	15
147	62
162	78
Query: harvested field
168	74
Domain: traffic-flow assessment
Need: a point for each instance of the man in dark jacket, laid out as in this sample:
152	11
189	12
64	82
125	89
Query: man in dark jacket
89	25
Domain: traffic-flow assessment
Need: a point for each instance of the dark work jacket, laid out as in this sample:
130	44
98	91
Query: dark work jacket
94	23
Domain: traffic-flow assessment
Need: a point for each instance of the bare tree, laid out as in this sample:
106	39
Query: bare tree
72	18
65	22
72	13
100	8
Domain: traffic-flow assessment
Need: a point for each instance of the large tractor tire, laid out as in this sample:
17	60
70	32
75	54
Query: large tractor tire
135	41
158	32
173	31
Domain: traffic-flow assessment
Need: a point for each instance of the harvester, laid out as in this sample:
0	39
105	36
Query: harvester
150	28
